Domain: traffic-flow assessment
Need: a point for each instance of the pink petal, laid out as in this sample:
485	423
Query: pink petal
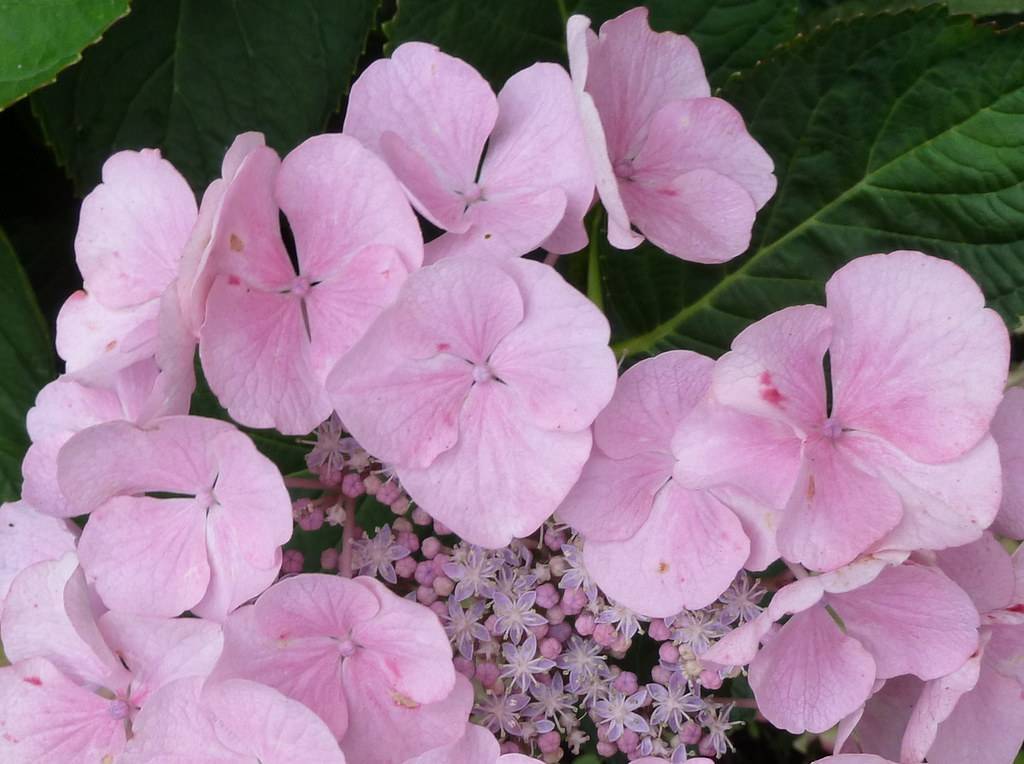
442	111
557	360
853	758
161	650
944	505
339	199
984	570
305	669
760	522
48	615
933	706
913	620
810	675
1008	430
408	727
908	329
502	225
476	746
633	71
837	511
96	342
987	725
314	605
407	643
162	542
613	497
684	556
503	477
538	144
45	717
775	369
28	537
236	720
133	228
650	401
256	356
885	716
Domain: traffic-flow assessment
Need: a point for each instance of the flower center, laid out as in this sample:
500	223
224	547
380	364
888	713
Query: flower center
473	194
346	647
300	286
831	429
119	709
623	169
482	373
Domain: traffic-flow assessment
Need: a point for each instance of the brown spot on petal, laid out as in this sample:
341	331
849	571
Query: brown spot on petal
663	567
810	488
111	345
236	244
487	236
403	701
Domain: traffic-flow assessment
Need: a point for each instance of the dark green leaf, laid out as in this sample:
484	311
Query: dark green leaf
188	75
888	132
498	37
26	364
40	38
731	34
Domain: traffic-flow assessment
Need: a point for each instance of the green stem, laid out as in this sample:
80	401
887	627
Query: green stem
594	290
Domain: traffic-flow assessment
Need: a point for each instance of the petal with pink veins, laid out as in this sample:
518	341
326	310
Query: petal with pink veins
984	570
28	537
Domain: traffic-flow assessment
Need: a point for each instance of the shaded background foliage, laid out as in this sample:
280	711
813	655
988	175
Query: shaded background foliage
893	124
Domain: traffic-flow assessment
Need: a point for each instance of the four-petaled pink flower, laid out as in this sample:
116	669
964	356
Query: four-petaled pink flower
375	667
894	446
210	542
429	116
668	158
271	335
480	385
652	544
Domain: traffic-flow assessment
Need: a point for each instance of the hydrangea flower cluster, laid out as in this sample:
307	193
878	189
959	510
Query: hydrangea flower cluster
549	517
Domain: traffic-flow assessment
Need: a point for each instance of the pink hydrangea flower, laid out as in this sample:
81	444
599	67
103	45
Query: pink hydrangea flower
78	680
1008	430
652	544
476	746
668	158
854	758
372	665
271	335
236	720
976	712
894	447
429	116
226	517
479	385
28	537
866	622
132	230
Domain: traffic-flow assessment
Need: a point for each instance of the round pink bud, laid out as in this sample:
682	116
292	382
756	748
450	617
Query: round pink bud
607	749
602	733
710	679
352	485
509	747
553	540
555	614
400	505
425	574
550	647
329	559
443	586
119	709
558	565
658	631
560	631
409	540
668	652
430	546
441	529
312	520
621	644
628	742
547	595
438	562
420	516
604	634
573	601
549	742
371	484
402	525
487	673
689	732
292	561
584	624
464	666
328	476
661	675
440	609
388	492
707	747
425	595
626	682
406	567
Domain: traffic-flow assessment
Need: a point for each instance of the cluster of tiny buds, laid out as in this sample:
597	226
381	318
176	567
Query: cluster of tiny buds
542	645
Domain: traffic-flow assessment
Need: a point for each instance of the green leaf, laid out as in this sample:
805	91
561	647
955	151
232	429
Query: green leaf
730	34
498	38
39	38
26	364
888	132
188	75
